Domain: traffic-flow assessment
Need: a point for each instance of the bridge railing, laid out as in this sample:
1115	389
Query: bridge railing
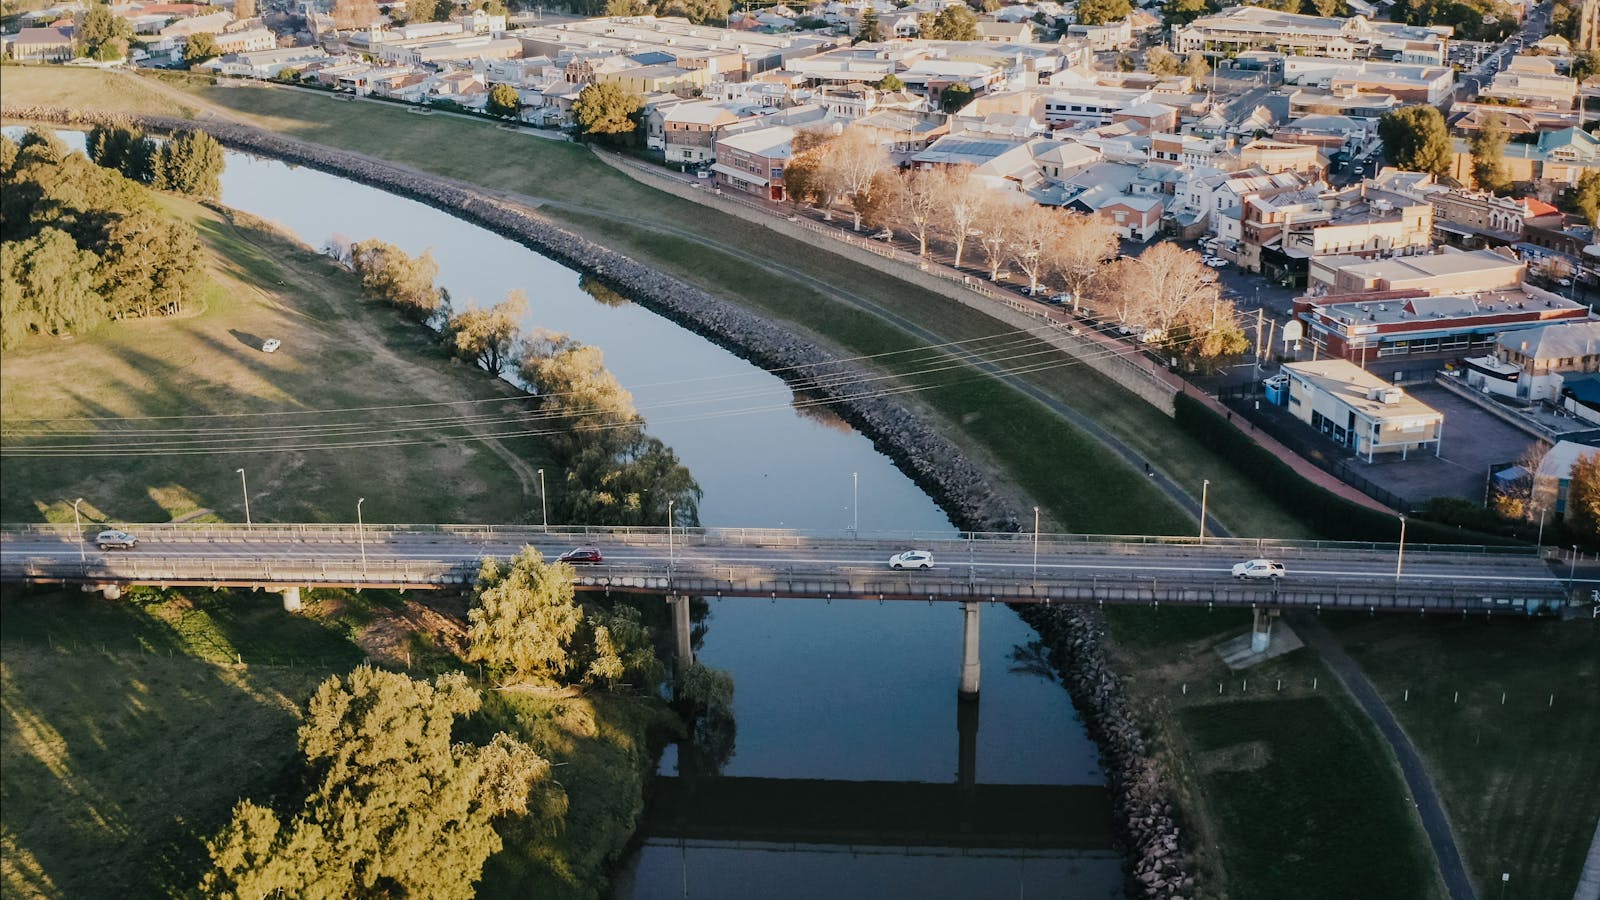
720	536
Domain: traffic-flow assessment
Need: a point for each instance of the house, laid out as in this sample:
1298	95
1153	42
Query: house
1005	32
1372	325
1552	481
250	40
1535	363
904	131
1360	411
752	162
689	130
51	44
1281	156
1409	83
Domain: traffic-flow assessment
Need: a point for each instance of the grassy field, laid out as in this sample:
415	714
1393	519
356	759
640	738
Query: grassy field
131	728
339	351
1519	779
1287	787
1318	747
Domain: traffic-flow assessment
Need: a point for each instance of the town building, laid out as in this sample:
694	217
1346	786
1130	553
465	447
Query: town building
1552	481
752	162
48	44
1381	324
1409	83
1360	411
1535	363
1448	271
1468	218
1283	232
1242	28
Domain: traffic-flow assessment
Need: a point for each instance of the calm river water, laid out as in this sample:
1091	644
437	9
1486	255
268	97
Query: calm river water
832	700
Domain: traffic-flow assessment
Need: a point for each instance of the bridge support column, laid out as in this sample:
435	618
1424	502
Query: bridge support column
291	599
970	668
111	591
680	628
1261	629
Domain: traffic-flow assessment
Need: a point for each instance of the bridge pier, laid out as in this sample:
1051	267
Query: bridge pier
1261	629
291	599
970	668
680	628
108	591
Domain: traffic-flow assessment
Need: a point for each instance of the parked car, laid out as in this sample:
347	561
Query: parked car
112	539
912	559
884	235
582	556
1061	299
1258	568
271	345
1215	262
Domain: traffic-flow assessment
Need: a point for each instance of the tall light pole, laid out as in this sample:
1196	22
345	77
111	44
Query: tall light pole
1400	558
855	503
244	488
1036	542
544	508
361	535
1572	569
672	556
1205	490
82	556
1540	544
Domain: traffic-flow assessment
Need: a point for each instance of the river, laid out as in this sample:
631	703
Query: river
852	704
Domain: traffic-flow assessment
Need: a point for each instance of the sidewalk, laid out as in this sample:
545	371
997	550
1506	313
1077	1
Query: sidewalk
1110	346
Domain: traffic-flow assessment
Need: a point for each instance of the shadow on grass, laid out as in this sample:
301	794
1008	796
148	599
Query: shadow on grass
124	748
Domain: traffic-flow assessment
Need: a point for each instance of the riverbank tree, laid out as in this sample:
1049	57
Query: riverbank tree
395	807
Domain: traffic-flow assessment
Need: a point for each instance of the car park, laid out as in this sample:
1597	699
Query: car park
582	556
271	345
113	539
1258	568
912	559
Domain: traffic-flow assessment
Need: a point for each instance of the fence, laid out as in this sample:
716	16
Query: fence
1307	444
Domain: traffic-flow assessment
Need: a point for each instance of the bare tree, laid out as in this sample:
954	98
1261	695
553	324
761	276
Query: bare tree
1087	243
961	201
1119	291
913	203
999	221
1179	285
803	175
850	163
1037	231
352	15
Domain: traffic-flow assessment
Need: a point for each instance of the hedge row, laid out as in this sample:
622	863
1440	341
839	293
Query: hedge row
1331	516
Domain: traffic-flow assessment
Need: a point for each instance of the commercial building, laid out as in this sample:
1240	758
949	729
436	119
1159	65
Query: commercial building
1283	233
1407	82
1361	411
1448	271
752	162
1536	363
1378	325
1243	28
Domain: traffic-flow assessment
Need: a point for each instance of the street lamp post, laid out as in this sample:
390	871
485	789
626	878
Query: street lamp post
1400	558
1540	544
1036	542
855	503
361	534
672	556
244	488
82	556
544	508
1205	490
1572	568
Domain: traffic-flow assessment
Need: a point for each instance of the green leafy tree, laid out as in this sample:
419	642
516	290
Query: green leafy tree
149	264
488	337
100	34
573	387
1100	12
606	109
704	696
9	151
395	277
1488	145
48	288
1585	64
623	651
124	148
199	48
867	33
1586	196
504	101
1415	138
1181	12
190	163
1583	499
1126	63
633	479
955	97
395	808
891	82
627	8
525	619
953	23
1161	61
418	11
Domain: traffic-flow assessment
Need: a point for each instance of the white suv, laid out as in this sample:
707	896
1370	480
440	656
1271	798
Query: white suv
112	538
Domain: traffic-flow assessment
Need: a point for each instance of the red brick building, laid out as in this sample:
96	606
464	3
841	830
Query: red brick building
1370	326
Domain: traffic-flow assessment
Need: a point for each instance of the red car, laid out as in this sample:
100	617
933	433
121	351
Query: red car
582	556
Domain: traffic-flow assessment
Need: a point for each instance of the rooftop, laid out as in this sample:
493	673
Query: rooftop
1361	390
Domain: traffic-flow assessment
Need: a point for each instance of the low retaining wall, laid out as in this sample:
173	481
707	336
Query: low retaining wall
1133	373
1145	827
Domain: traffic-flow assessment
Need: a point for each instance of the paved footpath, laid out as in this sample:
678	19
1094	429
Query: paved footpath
1589	881
1423	796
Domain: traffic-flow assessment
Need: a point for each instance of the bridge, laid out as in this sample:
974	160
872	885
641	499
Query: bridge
969	568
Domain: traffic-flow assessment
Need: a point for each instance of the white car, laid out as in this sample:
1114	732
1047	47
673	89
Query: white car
271	345
1216	262
111	538
1259	568
912	559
